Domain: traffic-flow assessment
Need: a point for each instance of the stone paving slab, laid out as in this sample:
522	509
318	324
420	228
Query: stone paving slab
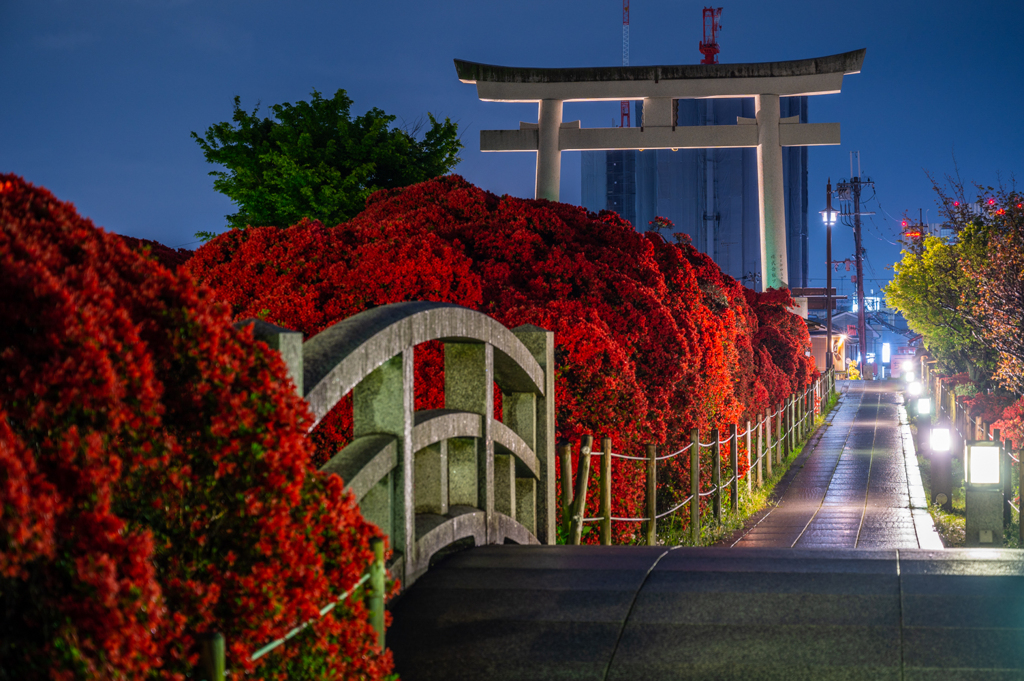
714	613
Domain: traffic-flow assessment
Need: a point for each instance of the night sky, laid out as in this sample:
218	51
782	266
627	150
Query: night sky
97	100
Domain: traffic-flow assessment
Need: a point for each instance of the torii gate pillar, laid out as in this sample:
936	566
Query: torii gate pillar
658	87
771	196
549	154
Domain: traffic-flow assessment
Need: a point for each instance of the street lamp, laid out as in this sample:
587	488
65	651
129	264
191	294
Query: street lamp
914	388
829	217
924	406
940	442
984	494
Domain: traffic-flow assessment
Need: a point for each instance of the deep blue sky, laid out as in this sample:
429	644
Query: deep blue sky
97	99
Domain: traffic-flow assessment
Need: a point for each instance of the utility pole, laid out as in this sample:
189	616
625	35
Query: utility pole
830	218
851	191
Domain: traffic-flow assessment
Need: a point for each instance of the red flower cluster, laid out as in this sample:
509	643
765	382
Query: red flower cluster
154	474
952	381
988	408
652	338
1011	423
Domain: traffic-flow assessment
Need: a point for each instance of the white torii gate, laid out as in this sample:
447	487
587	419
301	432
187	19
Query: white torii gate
659	87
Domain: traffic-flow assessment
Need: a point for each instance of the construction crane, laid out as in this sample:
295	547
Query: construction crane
624	105
712	25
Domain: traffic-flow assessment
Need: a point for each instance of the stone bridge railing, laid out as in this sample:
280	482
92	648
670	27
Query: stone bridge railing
430	478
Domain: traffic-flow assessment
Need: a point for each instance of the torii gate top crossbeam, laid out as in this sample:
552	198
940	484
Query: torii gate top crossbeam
818	76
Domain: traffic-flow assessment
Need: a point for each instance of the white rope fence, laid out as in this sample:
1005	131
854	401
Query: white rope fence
776	432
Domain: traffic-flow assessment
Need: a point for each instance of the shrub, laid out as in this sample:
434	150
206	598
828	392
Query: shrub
651	337
156	479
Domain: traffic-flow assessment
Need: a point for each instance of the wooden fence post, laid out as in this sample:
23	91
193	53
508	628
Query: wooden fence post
606	491
760	450
1020	486
798	417
794	436
769	451
652	488
750	461
211	656
808	409
784	431
565	460
734	460
695	485
376	596
1006	470
716	476
579	504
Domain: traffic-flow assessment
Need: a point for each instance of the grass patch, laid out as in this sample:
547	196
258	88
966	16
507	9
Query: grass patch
675	531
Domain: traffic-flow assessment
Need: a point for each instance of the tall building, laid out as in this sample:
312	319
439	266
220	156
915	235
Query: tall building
710	194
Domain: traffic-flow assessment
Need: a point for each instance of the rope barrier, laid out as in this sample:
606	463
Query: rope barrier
323	611
684	503
1015	508
736	477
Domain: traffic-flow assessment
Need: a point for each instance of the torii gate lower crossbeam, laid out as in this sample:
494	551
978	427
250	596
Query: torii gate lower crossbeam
658	86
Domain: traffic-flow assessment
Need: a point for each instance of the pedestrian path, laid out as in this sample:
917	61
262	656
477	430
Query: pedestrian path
856	485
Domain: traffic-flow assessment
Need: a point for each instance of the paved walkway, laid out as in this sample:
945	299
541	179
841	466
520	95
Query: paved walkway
625	613
839	582
856	485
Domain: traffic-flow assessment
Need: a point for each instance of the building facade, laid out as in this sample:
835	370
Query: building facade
709	194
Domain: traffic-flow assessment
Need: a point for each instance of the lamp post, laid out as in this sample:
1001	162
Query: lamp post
828	216
940	444
984	494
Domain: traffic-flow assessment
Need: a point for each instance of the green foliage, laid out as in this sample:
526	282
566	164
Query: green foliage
316	161
936	297
965	390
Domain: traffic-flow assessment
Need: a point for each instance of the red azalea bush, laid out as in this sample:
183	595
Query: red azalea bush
987	407
952	381
155	479
1011	423
651	337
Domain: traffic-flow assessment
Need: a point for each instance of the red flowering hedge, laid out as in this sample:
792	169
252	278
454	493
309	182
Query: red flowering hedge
652	338
154	474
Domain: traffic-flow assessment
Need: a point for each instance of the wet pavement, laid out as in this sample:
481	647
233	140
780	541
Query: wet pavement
839	581
856	485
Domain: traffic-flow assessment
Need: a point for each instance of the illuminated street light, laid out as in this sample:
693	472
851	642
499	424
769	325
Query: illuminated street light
982	465
940	442
908	365
908	376
984	494
914	388
924	406
829	217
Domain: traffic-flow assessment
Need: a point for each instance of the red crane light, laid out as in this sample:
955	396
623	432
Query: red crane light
991	202
904	224
712	25
956	204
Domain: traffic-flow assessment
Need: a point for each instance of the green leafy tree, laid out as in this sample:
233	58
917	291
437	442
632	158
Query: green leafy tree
937	297
312	159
